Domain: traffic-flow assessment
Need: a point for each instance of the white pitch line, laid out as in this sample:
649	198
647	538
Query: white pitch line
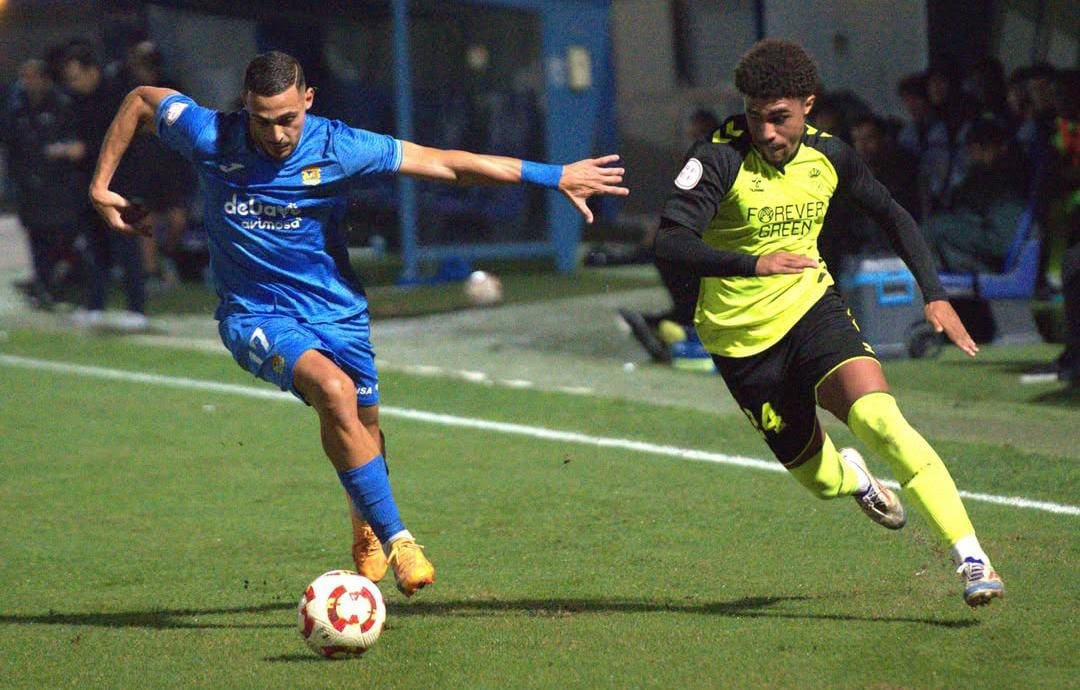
1028	379
484	425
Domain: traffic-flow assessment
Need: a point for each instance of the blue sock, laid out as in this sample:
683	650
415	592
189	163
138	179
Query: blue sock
369	488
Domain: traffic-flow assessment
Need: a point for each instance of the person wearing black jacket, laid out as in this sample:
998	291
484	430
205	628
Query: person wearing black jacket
38	132
95	98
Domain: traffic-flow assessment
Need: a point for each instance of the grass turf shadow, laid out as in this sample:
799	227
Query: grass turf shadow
157	619
747	607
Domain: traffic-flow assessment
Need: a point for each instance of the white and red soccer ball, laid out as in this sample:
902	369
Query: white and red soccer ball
341	614
483	289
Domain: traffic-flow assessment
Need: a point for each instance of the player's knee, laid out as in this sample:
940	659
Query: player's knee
334	394
877	415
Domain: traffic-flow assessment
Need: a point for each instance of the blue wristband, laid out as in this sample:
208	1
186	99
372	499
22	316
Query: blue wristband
542	174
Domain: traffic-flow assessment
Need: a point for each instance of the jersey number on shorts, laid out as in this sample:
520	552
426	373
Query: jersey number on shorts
258	342
769	421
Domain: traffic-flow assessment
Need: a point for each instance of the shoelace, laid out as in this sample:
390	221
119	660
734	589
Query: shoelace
872	497
400	546
975	570
369	542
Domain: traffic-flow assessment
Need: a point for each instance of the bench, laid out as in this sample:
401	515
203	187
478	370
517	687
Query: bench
1008	294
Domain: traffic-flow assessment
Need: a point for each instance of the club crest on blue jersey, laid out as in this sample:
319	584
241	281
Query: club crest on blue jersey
277	363
311	176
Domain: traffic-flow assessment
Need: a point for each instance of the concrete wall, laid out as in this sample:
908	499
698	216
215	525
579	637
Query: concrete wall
652	108
1021	40
865	47
26	30
214	73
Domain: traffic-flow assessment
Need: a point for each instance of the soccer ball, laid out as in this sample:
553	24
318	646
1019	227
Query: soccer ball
483	289
341	614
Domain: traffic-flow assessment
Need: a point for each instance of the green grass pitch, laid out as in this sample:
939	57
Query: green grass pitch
159	536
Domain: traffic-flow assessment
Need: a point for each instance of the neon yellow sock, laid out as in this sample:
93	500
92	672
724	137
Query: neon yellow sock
826	474
876	420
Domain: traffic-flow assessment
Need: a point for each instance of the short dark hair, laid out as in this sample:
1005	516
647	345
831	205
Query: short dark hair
913	85
986	131
774	68
81	51
705	117
271	73
1041	70
872	120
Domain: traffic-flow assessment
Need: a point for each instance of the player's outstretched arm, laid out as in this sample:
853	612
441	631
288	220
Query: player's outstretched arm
136	111
587	178
907	241
944	318
577	181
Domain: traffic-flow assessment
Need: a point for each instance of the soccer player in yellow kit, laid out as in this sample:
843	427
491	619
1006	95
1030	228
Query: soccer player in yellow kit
745	215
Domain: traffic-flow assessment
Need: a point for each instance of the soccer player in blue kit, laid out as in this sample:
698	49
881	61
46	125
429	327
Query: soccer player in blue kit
292	311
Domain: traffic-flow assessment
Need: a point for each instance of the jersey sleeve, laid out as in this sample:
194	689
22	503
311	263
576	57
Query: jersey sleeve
706	176
185	126
858	184
361	152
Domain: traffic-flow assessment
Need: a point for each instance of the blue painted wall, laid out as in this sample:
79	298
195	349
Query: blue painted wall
578	124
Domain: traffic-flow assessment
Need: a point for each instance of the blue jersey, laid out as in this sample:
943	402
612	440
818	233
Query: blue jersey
274	226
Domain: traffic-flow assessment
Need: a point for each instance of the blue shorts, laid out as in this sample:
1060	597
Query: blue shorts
268	345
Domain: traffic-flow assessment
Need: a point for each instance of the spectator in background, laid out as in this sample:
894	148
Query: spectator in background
975	233
96	98
1065	222
828	117
1065	204
1042	79
1032	111
890	164
1045	171
701	125
1031	104
162	180
38	133
1066	367
835	111
926	137
984	91
1017	101
1065	216
669	336
848	232
942	91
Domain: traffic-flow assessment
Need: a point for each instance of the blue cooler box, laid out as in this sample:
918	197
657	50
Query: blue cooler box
888	306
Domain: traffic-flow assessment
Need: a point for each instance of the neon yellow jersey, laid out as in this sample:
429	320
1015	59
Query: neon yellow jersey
766	211
737	202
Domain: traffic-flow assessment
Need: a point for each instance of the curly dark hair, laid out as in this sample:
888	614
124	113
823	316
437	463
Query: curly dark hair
775	68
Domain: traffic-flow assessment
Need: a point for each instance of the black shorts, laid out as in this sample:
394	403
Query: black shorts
777	388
